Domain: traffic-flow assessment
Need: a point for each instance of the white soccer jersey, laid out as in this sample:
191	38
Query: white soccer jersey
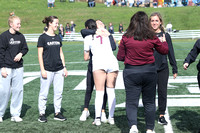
103	57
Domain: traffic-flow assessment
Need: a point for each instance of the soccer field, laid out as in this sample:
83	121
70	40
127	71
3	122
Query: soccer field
183	111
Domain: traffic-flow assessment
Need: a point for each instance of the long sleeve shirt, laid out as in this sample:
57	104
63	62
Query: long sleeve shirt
191	57
135	52
161	60
10	46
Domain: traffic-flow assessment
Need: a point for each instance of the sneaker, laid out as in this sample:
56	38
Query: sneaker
150	131
97	122
84	115
111	121
103	117
59	117
1	119
133	129
16	119
162	121
42	118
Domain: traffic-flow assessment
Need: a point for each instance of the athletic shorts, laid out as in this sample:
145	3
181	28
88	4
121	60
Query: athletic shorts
108	65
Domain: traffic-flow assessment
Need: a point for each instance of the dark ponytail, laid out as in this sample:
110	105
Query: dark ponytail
48	20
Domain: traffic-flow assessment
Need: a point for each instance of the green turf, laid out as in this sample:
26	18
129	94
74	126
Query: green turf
32	13
185	119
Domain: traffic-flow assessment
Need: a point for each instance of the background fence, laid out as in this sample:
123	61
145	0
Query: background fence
187	34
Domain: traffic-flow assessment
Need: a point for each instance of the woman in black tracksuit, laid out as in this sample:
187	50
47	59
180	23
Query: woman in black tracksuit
191	57
162	66
90	81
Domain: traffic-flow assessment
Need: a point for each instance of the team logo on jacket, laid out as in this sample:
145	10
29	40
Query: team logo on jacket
13	42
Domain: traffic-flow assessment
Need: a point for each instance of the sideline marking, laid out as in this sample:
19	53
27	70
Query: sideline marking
28	79
120	82
182	102
168	128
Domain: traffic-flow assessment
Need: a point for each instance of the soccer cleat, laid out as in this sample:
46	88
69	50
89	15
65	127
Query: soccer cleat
84	115
97	122
42	118
133	129
103	117
16	119
1	119
59	117
111	121
162	121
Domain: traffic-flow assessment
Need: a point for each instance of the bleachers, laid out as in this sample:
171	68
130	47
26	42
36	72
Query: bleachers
187	34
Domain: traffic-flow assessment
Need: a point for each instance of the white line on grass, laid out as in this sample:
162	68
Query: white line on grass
82	62
168	128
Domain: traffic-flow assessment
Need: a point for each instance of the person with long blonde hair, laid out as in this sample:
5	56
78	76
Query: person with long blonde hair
13	47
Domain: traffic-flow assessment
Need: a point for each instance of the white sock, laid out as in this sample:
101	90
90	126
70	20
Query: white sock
98	103
111	101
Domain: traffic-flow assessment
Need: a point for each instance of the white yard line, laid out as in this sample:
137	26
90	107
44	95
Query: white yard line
168	128
28	79
82	62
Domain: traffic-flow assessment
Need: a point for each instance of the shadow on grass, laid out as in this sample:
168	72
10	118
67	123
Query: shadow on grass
50	110
25	108
187	121
122	122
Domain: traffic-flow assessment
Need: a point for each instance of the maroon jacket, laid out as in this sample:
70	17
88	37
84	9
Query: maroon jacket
135	52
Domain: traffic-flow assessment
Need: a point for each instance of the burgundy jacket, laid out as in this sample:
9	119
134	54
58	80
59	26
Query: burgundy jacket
135	52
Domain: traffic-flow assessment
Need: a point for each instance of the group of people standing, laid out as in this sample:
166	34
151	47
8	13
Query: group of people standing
143	49
13	47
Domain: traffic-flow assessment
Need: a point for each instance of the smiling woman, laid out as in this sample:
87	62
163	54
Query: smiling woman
52	66
12	47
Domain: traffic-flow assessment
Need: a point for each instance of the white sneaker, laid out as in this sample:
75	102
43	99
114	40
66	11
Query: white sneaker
1	119
111	121
133	129
103	117
97	122
84	115
150	131
16	119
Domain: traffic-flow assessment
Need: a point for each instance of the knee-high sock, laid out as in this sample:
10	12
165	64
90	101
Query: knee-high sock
111	101
98	103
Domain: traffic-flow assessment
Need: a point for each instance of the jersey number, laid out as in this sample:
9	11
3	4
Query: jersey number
101	39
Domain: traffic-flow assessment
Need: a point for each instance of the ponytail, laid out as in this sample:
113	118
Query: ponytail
48	20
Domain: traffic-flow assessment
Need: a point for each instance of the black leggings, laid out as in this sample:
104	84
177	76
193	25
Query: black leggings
89	89
162	82
140	80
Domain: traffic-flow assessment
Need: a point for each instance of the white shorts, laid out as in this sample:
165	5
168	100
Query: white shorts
108	66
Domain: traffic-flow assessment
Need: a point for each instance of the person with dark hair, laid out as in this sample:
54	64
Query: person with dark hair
105	70
67	28
121	29
161	62
13	47
53	69
136	50
90	26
